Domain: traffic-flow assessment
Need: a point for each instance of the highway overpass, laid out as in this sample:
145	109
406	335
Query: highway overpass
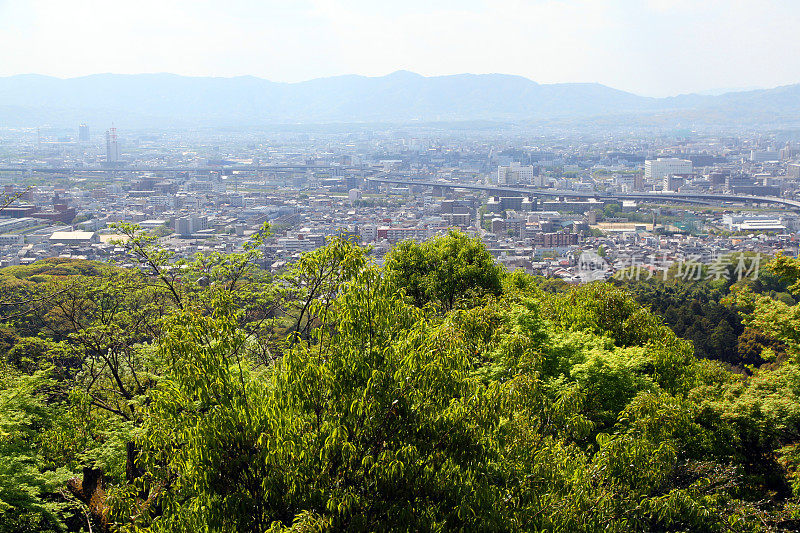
220	169
496	190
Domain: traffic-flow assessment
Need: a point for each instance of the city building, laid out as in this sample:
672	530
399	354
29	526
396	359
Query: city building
112	146
672	182
753	223
549	240
760	156
188	226
394	235
655	170
516	173
630	182
74	238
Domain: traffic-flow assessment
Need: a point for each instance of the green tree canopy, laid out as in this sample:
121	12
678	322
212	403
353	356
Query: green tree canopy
446	272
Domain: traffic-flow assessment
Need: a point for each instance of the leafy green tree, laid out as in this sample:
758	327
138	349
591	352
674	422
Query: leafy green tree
446	272
156	260
373	424
31	488
97	331
311	285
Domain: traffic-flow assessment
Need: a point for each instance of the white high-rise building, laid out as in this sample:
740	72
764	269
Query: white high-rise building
658	169
112	146
516	173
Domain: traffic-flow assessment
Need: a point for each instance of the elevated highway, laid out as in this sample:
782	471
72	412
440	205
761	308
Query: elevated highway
221	169
691	198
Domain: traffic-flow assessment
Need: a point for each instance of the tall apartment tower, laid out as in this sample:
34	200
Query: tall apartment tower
83	133
112	147
658	169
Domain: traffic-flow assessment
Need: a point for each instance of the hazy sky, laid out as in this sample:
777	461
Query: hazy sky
650	47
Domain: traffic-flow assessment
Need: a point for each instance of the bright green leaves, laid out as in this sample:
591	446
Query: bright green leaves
312	284
788	270
446	272
605	310
29	482
376	419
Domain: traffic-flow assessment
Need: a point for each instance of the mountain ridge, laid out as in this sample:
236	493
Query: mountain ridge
166	99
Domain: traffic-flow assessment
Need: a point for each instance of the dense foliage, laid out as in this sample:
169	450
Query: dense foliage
433	393
699	309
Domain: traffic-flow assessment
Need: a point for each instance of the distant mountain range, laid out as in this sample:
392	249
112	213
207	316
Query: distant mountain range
169	100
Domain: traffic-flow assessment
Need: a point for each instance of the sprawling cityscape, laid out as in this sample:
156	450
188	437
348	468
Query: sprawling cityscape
544	204
422	266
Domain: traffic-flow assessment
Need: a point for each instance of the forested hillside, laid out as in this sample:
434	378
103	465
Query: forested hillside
434	393
703	310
